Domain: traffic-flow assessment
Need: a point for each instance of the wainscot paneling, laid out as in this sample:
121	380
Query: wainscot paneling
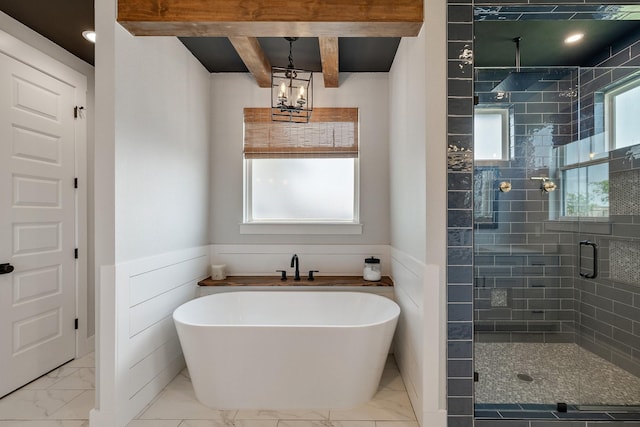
147	354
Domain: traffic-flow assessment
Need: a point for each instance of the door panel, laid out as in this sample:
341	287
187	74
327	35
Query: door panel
37	223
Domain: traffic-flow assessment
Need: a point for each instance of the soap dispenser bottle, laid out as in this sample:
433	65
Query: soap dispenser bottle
372	270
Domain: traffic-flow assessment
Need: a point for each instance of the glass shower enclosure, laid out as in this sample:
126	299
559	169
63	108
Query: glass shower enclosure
557	238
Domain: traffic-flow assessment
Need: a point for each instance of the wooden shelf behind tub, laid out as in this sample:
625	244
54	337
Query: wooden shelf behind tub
275	281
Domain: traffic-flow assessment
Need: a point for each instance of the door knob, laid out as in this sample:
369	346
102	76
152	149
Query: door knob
6	268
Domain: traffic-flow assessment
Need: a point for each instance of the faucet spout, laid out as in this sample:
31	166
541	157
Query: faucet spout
295	263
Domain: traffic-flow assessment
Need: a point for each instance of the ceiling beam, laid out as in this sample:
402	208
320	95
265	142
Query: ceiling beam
270	18
329	57
254	58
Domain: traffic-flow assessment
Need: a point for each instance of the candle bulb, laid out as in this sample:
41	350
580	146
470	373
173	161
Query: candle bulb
301	101
283	89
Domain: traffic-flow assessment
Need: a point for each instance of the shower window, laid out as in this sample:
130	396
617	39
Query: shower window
586	191
491	127
623	109
584	169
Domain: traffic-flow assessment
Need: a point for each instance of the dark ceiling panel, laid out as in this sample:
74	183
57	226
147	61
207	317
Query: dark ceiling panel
306	52
543	41
373	54
61	21
357	54
217	54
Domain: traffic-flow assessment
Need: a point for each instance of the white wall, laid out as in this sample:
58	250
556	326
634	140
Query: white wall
152	201
162	147
328	260
230	93
55	55
418	212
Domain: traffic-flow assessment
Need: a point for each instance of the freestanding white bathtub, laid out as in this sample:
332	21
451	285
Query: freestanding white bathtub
287	349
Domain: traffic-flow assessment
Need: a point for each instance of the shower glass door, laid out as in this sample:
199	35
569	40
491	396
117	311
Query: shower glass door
601	175
524	297
557	239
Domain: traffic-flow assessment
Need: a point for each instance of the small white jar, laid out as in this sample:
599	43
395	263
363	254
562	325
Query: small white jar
372	271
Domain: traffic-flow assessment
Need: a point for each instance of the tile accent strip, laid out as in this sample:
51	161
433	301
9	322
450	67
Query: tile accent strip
460	213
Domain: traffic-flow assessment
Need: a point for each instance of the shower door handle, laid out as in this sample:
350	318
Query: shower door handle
595	259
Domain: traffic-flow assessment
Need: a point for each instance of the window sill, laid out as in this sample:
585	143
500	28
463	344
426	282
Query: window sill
584	218
591	226
300	228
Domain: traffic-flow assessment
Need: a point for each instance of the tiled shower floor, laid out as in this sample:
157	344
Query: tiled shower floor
561	373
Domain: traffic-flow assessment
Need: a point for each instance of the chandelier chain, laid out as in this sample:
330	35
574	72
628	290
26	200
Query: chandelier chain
291	54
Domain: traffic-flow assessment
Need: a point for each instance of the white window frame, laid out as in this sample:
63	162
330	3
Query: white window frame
585	167
342	148
505	114
610	113
251	226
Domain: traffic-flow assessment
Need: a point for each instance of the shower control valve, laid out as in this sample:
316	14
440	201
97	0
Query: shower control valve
546	185
505	186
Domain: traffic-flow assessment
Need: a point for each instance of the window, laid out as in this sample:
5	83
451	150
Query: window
585	179
584	163
622	106
491	133
316	190
301	173
586	191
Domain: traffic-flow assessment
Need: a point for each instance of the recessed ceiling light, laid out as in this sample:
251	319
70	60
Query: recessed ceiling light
89	35
574	38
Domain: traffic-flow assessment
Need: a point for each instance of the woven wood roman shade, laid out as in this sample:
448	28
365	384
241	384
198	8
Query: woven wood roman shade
332	132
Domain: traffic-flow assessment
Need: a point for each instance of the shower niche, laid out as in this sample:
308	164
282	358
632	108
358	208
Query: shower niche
557	238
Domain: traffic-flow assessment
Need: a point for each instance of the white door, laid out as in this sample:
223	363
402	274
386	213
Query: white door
37	224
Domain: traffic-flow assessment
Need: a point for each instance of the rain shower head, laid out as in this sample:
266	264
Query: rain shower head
518	81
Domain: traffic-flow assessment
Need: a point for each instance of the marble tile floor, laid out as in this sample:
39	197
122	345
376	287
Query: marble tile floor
560	372
61	398
64	397
176	406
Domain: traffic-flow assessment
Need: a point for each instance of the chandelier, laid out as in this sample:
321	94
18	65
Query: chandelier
291	92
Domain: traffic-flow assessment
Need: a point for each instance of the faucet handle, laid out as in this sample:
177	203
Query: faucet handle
311	274
283	275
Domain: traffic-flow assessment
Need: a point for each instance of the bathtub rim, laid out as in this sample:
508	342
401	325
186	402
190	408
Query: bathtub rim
395	315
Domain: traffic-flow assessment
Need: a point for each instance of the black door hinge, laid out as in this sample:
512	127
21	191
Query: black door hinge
75	182
476	377
75	253
75	323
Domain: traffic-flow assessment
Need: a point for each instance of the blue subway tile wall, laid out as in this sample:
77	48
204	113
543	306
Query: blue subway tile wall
460	214
459	230
508	253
